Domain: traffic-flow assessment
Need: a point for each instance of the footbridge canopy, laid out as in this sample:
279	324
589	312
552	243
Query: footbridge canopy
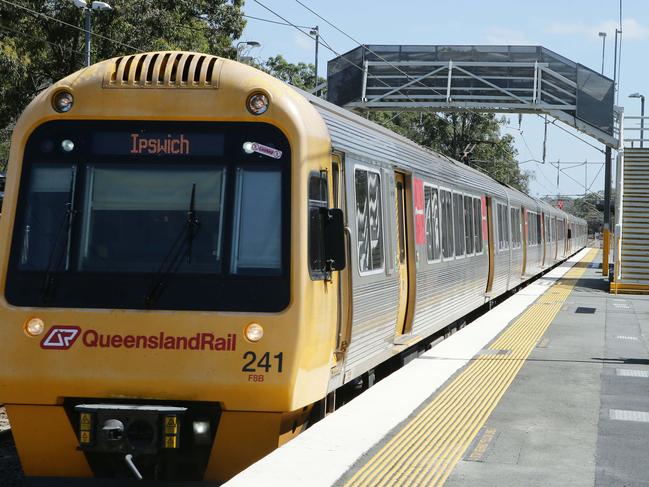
513	79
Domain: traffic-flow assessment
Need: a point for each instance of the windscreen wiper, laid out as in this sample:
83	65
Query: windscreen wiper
62	240
181	247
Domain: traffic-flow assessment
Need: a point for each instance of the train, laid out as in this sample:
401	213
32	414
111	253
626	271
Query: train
195	257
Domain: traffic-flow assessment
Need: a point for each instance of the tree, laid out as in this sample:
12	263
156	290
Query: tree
588	207
473	138
300	75
35	50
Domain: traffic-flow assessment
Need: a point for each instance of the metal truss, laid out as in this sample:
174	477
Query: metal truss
567	91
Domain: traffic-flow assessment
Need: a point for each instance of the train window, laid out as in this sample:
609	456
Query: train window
468	224
531	228
539	235
547	228
447	224
503	228
552	224
257	238
458	222
433	243
369	221
48	217
318	198
477	224
125	205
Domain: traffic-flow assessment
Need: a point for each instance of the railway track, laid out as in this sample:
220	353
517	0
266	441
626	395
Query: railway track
10	472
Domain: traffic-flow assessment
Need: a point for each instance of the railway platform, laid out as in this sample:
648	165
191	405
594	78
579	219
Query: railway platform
551	387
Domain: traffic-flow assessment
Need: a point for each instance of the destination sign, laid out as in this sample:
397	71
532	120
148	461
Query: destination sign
174	144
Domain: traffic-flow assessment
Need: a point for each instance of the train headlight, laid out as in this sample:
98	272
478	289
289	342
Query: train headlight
257	103
67	145
34	327
62	101
254	332
201	432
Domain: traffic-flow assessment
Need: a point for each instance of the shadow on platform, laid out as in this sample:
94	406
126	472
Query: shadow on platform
586	283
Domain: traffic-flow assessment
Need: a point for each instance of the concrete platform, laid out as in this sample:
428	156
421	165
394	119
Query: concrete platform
549	388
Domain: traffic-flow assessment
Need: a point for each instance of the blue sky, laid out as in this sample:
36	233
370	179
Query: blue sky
569	27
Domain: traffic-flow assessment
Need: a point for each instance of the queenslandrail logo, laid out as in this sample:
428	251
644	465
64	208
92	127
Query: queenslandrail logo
60	337
63	337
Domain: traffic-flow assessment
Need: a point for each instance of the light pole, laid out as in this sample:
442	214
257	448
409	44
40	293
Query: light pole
638	95
242	44
82	4
603	36
315	32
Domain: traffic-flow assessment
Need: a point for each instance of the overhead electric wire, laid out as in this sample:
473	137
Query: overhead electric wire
76	27
324	42
595	178
275	22
54	44
327	46
527	145
547	179
287	22
364	46
553	122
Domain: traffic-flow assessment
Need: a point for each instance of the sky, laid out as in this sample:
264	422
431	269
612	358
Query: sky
568	27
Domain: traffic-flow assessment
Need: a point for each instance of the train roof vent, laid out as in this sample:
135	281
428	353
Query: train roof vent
164	70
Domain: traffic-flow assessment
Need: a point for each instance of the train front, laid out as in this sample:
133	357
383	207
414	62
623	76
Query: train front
156	317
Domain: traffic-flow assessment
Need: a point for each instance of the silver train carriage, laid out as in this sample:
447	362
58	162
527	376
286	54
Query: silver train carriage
429	239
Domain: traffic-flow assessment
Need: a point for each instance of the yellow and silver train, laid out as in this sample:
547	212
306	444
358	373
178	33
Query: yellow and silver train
194	254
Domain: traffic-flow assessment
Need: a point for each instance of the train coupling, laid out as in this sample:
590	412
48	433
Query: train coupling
127	428
150	441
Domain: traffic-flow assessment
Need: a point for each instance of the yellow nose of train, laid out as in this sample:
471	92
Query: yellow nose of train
158	319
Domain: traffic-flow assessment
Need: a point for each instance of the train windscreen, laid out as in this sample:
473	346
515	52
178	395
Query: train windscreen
153	215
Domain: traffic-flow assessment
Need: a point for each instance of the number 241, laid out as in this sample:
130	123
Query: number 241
264	362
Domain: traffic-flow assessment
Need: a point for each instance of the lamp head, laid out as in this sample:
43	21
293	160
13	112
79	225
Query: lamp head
101	6
248	43
636	95
602	34
80	3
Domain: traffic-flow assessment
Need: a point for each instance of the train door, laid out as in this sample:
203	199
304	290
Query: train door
566	231
524	239
553	228
402	249
544	241
548	241
490	233
344	318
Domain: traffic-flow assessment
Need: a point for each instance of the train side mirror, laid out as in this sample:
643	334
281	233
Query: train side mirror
334	239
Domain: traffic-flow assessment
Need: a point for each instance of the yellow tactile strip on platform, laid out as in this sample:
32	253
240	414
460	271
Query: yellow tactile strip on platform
427	449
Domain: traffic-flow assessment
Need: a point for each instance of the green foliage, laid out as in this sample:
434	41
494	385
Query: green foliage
454	133
588	207
300	75
36	51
